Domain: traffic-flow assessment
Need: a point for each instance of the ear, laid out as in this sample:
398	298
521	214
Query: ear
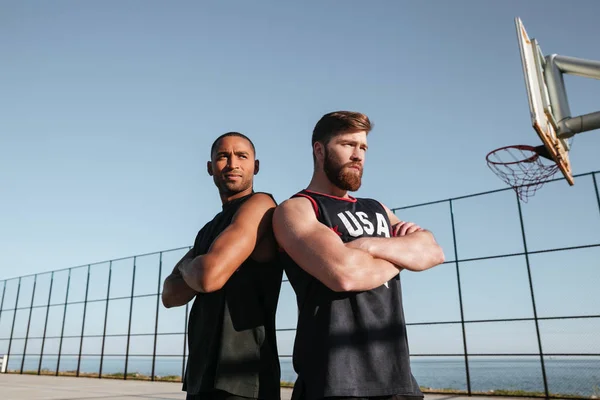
319	151
256	166
209	168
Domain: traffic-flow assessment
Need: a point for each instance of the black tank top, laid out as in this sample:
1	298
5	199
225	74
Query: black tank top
232	343
349	344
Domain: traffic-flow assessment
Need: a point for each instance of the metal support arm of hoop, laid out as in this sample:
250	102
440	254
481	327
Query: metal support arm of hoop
582	123
556	66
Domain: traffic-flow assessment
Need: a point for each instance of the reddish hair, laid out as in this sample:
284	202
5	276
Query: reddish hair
339	122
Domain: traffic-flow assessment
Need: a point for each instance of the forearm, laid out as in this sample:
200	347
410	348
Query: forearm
416	252
362	271
176	291
205	273
192	273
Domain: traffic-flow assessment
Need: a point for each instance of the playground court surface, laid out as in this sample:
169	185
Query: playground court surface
33	387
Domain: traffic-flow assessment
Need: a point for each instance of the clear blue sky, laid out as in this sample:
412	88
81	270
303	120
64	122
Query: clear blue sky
109	108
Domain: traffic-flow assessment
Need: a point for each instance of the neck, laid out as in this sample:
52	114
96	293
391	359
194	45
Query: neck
320	183
227	197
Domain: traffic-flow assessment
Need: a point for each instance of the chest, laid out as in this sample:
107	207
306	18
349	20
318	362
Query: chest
354	220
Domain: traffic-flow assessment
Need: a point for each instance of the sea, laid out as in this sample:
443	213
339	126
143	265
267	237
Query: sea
565	375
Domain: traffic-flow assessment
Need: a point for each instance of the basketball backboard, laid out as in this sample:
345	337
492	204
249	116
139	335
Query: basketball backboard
540	107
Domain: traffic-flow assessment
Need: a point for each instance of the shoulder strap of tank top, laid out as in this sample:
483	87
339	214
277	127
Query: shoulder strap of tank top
312	201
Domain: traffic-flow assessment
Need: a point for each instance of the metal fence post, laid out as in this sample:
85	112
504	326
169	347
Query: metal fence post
2	301
62	331
105	319
46	323
184	341
460	302
156	318
13	322
28	324
87	286
535	317
130	314
596	189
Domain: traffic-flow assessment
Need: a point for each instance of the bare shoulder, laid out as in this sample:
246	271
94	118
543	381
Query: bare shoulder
261	199
295	202
258	204
294	208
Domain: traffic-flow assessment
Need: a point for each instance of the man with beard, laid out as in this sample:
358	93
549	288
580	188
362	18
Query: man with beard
343	256
232	275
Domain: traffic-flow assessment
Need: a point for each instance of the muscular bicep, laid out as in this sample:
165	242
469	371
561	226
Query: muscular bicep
237	242
314	247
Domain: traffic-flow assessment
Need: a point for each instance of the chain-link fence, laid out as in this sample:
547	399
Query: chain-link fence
513	311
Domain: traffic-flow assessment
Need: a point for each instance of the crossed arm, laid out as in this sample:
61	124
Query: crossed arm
209	272
175	291
360	265
409	248
320	252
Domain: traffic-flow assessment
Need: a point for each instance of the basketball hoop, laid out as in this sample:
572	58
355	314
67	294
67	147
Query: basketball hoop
521	167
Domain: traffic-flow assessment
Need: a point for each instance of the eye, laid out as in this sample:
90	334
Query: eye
243	157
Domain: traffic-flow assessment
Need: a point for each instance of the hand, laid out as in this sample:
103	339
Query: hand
404	228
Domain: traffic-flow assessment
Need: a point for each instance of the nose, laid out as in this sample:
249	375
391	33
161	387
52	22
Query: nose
232	163
357	154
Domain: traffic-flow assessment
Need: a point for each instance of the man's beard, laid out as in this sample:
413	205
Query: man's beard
340	175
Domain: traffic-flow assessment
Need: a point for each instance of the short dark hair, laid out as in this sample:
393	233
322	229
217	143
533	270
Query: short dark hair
337	122
237	134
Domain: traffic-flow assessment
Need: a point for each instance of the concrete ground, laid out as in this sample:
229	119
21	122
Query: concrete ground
33	387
